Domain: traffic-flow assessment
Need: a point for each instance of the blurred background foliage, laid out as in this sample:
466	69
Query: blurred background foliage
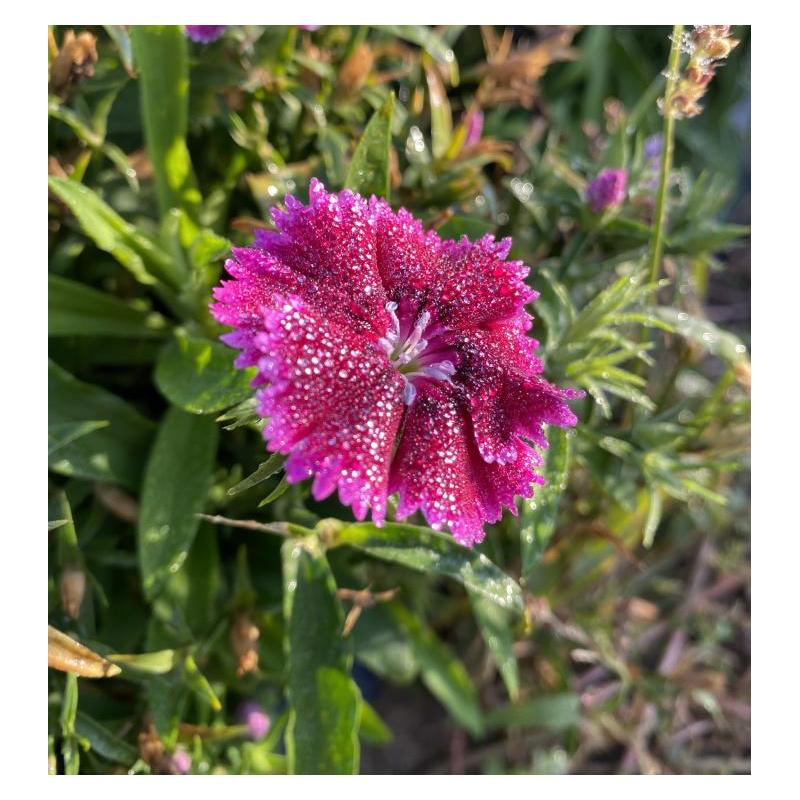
606	628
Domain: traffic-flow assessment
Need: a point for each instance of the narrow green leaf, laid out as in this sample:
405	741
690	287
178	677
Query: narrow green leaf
159	662
441	115
431	551
654	511
175	486
277	492
139	255
198	375
539	514
60	434
69	710
75	309
427	39
161	57
115	452
373	729
554	712
240	415
266	469
369	170
495	624
441	671
199	684
322	734
103	742
700	331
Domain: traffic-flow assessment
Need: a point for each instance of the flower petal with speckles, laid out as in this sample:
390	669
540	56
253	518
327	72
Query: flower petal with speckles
392	361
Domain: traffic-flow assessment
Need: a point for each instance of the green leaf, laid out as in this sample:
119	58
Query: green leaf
139	255
369	170
373	729
554	712
266	469
322	734
115	452
383	646
159	662
441	671
199	684
471	227
103	742
161	57
243	414
718	342
495	624
277	492
427	550
198	375
441	115
540	513
166	699
69	710
427	39
60	434
75	309
175	485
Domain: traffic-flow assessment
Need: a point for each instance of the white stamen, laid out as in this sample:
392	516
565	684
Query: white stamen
391	307
442	371
409	393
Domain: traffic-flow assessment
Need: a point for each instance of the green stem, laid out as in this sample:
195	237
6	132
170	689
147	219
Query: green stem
657	242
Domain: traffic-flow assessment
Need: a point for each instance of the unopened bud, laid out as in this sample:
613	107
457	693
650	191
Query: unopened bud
72	588
244	640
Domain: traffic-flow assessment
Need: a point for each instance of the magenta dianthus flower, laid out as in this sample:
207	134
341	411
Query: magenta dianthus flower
607	189
204	33
390	361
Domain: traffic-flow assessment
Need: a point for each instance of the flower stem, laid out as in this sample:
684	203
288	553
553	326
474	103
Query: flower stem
657	242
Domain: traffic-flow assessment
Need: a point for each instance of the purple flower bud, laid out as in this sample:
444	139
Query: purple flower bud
256	719
204	33
652	146
181	761
474	127
607	189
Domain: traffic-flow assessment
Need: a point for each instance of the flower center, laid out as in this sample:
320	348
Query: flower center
415	351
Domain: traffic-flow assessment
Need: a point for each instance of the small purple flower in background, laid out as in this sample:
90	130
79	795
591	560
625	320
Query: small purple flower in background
607	189
474	127
390	360
309	27
652	147
204	33
256	719
180	762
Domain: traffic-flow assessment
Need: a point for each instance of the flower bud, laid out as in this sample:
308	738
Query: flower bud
607	189
72	588
244	639
256	719
180	763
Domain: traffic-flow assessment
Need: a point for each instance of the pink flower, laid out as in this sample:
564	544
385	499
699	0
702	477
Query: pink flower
392	361
256	719
204	33
607	189
181	762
